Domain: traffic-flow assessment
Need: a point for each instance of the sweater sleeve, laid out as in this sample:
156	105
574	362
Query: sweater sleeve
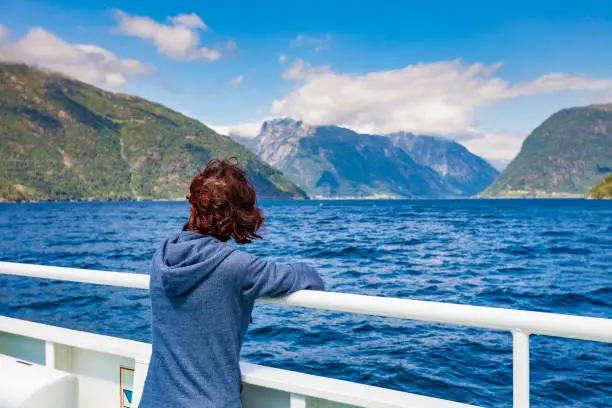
267	278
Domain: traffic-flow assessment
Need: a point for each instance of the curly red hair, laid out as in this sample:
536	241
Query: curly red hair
223	203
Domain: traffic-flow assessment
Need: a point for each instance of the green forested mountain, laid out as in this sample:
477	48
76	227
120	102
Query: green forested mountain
566	155
61	139
602	190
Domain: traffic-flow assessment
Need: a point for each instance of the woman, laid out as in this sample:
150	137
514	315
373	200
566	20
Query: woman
203	290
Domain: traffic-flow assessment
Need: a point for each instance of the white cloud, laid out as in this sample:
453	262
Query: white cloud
556	82
238	80
247	130
495	145
4	33
190	21
179	40
282	58
433	98
88	63
316	43
300	70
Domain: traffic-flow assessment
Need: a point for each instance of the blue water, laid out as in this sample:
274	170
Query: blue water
549	255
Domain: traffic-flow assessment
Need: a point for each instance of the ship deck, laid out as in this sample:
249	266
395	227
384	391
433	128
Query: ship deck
109	369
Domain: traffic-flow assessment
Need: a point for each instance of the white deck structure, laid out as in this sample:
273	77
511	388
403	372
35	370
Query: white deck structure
109	369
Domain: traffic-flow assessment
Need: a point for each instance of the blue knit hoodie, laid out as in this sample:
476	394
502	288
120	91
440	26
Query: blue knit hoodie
202	295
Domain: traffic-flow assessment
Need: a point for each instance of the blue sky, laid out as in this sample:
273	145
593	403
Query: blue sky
477	72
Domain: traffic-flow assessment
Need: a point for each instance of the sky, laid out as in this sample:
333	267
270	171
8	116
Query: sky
482	73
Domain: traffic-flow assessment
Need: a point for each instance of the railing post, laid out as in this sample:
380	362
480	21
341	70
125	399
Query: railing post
520	369
50	354
297	401
141	367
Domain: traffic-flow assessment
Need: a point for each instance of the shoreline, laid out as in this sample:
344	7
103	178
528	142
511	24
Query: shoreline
319	198
533	194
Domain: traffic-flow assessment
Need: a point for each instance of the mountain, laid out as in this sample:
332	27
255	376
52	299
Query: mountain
333	161
336	162
566	155
248	142
458	167
602	190
61	139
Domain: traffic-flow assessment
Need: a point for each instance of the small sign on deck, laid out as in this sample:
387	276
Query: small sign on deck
126	386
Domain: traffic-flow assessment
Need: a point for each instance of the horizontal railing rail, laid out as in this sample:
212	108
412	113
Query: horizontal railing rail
520	323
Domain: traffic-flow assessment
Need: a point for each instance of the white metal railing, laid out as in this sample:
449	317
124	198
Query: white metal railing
520	323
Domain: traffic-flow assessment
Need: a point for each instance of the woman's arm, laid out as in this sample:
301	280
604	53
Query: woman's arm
267	278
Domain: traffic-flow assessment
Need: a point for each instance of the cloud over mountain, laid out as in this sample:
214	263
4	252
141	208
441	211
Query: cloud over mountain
87	63
430	98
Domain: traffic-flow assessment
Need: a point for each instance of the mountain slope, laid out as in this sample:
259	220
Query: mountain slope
334	161
461	169
566	155
61	139
602	190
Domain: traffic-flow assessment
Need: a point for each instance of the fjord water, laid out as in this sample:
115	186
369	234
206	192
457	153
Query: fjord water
544	255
